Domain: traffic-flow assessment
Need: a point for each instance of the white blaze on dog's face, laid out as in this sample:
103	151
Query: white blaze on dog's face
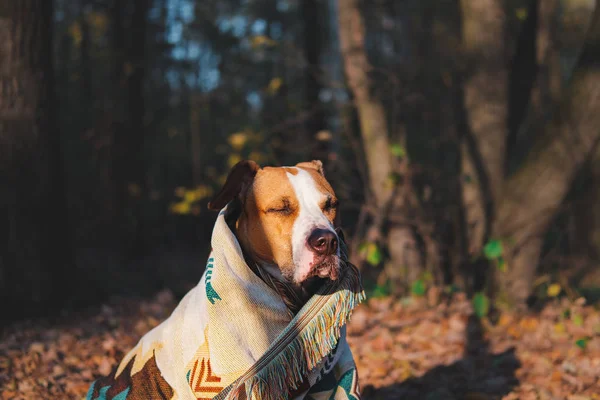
287	222
313	235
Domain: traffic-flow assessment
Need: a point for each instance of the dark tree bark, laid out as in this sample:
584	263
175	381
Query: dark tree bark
129	166
35	265
86	68
312	52
532	196
118	110
483	149
521	79
405	258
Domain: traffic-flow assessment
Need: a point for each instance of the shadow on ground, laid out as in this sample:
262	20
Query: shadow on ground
478	375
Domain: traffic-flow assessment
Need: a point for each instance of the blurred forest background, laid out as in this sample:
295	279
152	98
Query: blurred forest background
461	137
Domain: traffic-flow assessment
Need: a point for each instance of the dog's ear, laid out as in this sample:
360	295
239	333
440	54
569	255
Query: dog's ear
314	164
240	176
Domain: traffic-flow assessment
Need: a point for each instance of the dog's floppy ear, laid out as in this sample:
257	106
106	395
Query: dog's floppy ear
240	175
314	164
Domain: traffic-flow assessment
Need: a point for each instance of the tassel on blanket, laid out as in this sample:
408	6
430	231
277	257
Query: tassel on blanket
310	337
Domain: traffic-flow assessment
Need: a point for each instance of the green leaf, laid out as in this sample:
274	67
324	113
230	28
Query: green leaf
418	287
501	264
578	320
467	178
381	291
398	150
481	304
582	343
493	249
374	256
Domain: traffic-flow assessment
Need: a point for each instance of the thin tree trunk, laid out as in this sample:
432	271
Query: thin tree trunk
405	257
531	197
118	112
135	166
371	112
86	69
485	99
35	266
312	53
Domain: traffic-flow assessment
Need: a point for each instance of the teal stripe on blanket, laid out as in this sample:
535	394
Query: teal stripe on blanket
102	393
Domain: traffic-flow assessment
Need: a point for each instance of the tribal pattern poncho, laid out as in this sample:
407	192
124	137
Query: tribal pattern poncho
232	337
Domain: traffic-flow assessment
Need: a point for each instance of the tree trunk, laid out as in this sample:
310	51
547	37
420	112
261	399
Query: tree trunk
313	86
35	266
547	91
535	80
128	153
135	167
405	258
586	213
86	69
371	112
531	197
117	114
486	105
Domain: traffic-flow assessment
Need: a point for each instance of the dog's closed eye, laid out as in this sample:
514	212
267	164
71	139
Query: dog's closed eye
330	204
283	208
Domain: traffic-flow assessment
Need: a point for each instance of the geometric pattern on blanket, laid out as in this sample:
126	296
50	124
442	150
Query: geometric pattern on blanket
223	326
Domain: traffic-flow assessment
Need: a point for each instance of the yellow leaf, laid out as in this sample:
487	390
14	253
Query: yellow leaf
559	328
203	192
190	196
180	208
238	140
274	85
233	159
553	290
261	40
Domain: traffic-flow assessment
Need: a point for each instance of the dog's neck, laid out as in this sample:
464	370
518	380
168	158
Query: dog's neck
293	296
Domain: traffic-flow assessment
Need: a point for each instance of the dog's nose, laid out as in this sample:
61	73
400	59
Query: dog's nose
323	241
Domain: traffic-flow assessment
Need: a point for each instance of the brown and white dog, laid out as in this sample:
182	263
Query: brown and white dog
284	220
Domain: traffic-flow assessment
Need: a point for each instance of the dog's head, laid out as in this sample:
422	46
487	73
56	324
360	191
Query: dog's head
286	219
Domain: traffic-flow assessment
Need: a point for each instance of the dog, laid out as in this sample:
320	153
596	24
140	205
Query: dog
284	219
253	327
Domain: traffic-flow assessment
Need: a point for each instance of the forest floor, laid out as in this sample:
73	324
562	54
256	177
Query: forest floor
416	348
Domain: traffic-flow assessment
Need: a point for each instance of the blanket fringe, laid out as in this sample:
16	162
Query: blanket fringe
312	344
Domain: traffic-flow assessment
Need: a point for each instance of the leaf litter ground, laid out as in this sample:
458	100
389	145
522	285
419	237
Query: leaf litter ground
419	348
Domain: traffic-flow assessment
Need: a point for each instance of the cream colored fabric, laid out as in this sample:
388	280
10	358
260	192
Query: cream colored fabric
224	325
